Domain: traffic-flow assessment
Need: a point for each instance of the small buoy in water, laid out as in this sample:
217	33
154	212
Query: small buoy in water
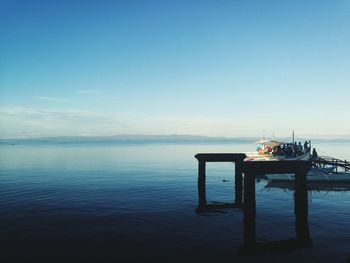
225	181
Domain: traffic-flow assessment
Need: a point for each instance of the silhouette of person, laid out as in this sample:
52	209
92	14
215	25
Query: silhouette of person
314	154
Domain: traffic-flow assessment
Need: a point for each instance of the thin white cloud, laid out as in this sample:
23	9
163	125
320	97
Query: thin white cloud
19	121
16	121
89	91
51	99
25	111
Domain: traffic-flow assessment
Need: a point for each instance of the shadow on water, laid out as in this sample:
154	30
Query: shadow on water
216	207
302	234
247	187
251	245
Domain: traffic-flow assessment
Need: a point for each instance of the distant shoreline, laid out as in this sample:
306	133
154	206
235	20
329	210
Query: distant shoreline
129	139
143	139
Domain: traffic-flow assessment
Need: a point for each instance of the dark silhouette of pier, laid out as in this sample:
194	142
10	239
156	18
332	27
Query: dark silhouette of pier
245	198
236	158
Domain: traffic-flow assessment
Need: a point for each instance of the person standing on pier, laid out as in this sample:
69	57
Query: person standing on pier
306	147
314	154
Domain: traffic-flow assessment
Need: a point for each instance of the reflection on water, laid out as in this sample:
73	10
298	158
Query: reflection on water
312	186
251	246
127	203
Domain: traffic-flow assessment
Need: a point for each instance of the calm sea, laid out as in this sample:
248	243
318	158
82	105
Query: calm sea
135	202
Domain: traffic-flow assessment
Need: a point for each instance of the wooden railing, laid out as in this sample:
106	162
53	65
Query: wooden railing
326	160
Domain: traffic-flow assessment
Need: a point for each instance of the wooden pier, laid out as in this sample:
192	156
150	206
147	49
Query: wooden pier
251	169
203	158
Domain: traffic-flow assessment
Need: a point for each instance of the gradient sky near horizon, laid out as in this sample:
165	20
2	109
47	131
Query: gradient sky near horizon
217	68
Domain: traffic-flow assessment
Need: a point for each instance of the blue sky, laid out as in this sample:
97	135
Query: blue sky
217	68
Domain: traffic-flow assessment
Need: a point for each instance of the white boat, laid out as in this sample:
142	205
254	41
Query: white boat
272	150
315	175
326	169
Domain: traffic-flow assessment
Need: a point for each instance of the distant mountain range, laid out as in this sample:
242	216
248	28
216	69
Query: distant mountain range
175	138
130	138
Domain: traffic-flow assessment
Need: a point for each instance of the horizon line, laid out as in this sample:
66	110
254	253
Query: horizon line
168	136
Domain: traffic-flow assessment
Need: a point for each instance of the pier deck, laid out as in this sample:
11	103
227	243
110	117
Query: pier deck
249	168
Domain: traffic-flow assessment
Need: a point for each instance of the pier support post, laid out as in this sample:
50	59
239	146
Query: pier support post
238	184
249	210
301	208
201	184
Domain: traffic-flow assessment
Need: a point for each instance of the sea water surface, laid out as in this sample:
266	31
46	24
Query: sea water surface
127	202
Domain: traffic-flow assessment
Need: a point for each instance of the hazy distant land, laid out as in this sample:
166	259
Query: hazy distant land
174	138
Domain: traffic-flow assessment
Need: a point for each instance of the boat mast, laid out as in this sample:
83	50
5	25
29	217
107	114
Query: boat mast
263	138
263	134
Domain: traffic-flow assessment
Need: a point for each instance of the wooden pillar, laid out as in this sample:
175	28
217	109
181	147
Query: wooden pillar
238	184
201	184
249	210
301	208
